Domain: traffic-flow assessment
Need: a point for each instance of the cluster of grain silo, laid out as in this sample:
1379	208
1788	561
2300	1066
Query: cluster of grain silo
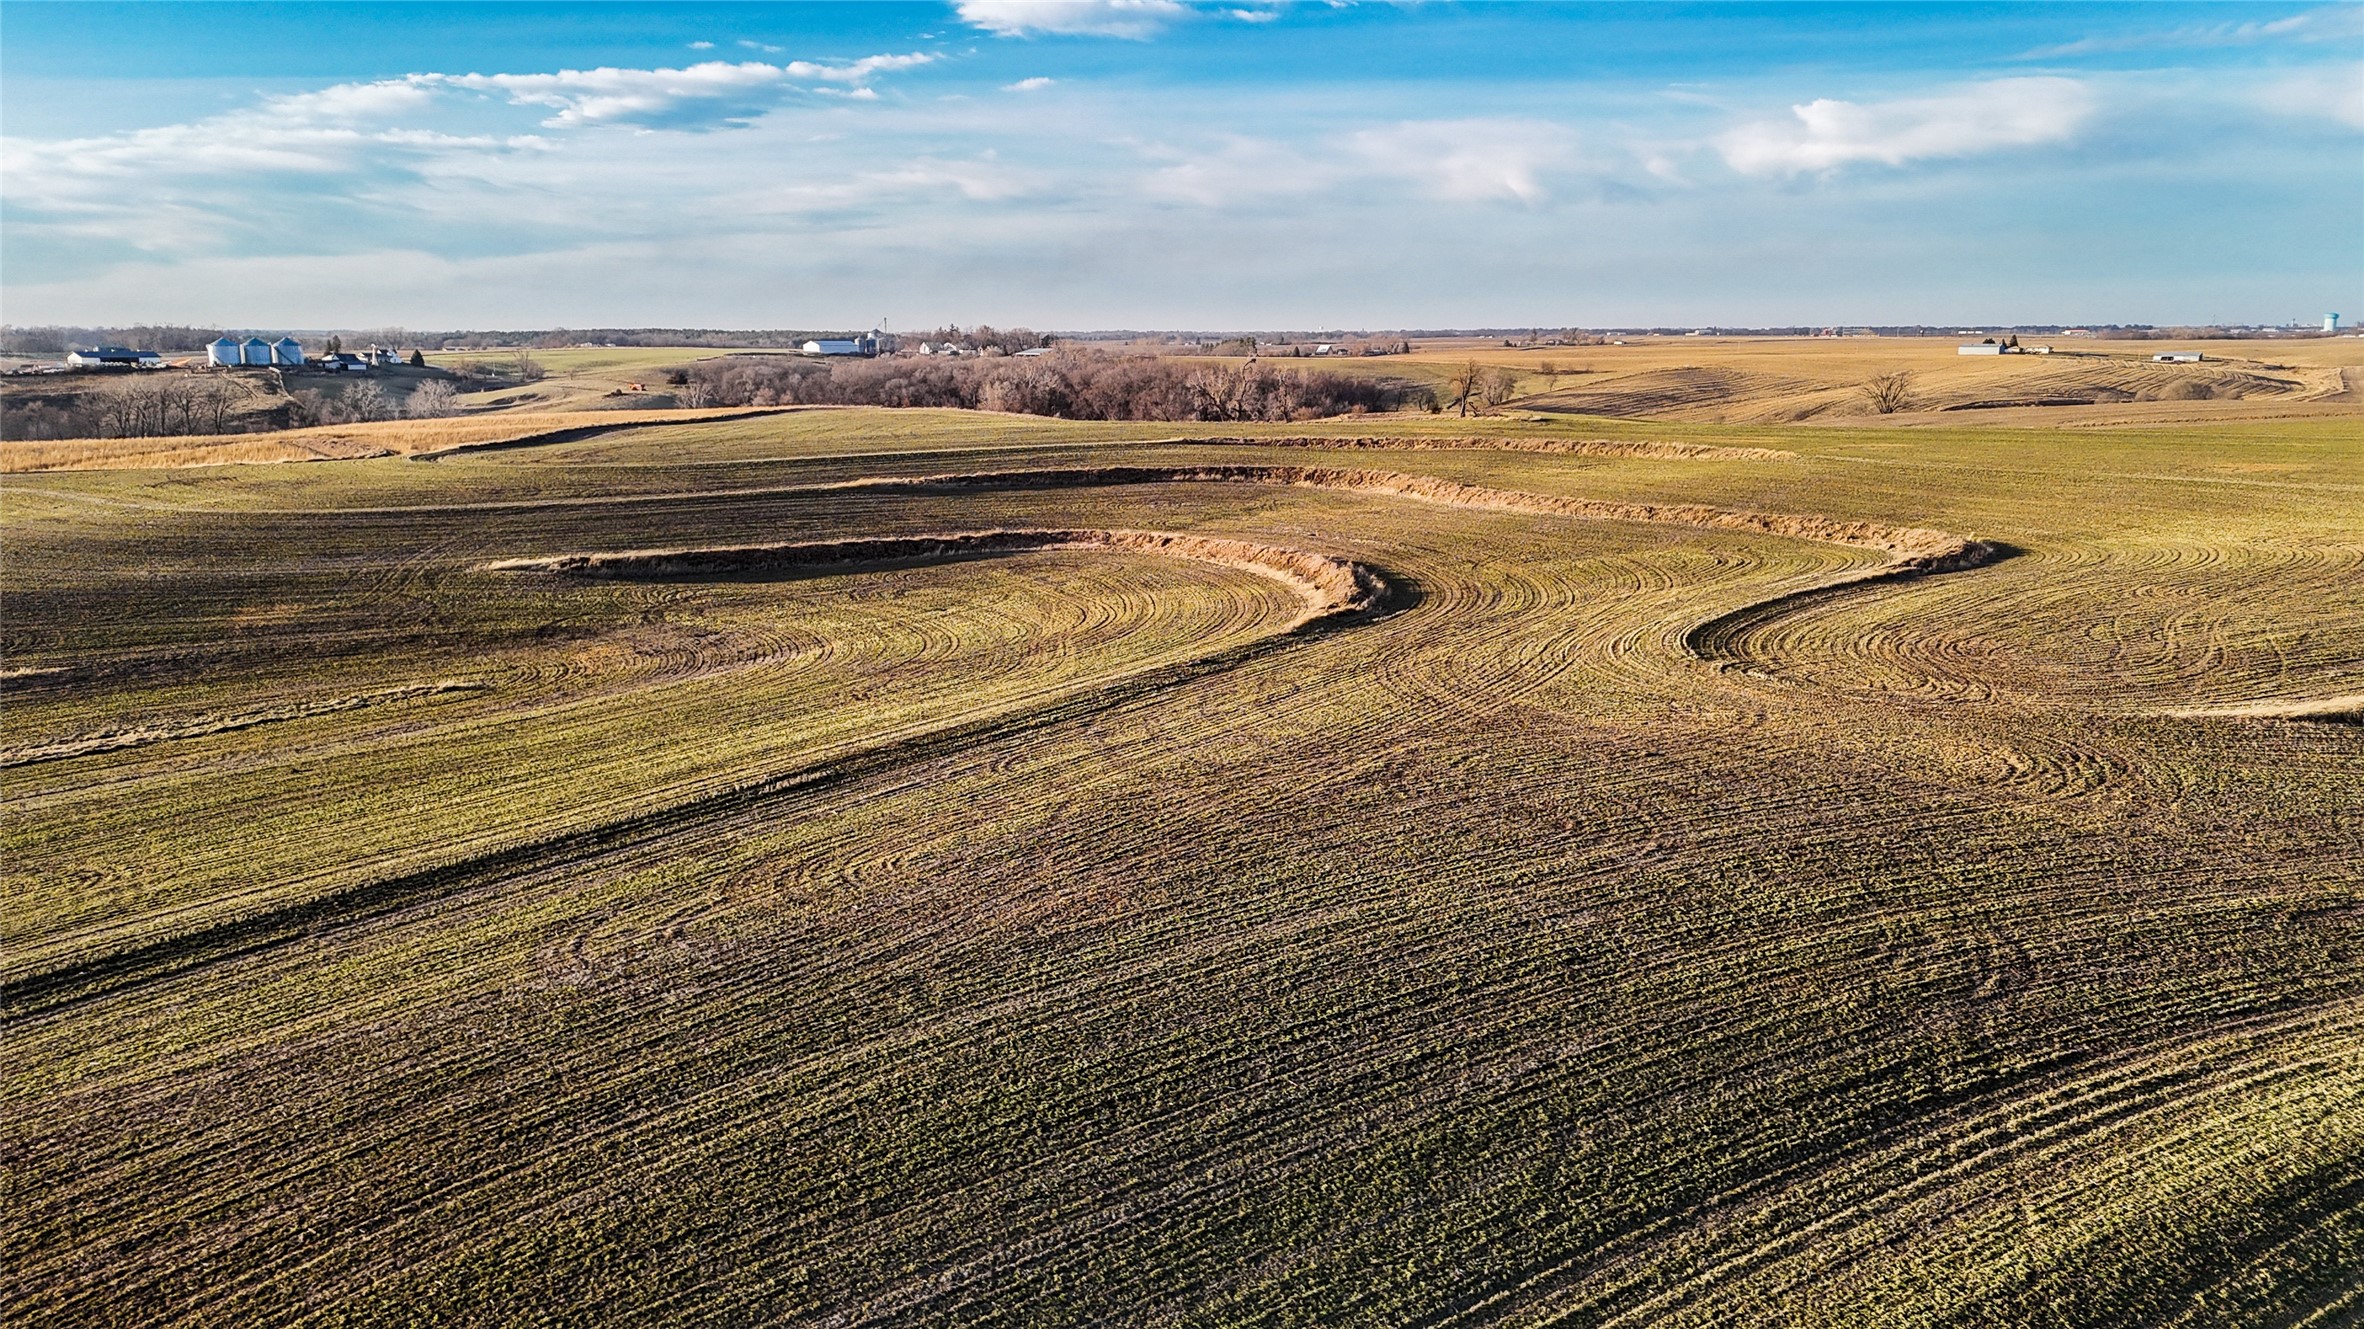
286	351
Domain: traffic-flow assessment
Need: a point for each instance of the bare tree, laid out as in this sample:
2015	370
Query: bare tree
432	400
694	394
368	401
529	370
216	399
1497	386
1464	384
1890	392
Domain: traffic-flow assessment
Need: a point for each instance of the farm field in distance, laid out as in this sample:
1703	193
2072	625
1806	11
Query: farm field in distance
1709	859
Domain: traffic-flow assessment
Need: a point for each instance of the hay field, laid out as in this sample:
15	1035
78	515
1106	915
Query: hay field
854	867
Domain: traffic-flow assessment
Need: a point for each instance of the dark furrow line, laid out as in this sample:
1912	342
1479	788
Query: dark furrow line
578	433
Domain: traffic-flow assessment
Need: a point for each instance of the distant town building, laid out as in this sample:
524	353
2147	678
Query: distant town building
114	357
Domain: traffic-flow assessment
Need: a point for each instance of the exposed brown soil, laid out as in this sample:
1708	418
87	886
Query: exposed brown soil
2347	709
1331	586
1913	547
118	739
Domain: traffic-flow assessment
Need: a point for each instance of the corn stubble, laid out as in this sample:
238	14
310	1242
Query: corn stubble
858	867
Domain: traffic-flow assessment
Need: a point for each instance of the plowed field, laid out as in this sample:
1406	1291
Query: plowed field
849	867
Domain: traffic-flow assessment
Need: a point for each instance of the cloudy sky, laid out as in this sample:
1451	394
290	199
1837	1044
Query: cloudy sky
1158	164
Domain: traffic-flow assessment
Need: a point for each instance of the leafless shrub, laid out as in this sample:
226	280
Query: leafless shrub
368	401
1890	392
1497	386
432	400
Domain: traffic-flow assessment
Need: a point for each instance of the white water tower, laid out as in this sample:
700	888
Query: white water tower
2331	322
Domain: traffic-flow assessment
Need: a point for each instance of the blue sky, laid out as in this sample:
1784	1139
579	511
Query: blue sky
1153	163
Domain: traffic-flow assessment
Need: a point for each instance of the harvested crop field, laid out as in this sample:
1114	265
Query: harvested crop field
859	867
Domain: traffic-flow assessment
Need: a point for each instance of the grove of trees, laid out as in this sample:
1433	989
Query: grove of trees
1073	385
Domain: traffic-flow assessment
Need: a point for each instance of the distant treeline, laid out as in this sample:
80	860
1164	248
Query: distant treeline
169	337
1071	385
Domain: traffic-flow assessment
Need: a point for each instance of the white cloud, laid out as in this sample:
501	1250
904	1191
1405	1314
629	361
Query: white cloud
858	71
2333	23
713	91
1036	84
1254	15
630	96
1241	170
1825	134
1458	161
1136	20
1470	160
2335	92
701	46
352	101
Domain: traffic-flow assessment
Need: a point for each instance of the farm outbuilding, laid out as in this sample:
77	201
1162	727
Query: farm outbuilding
2177	358
287	351
114	357
1979	348
226	351
841	346
254	351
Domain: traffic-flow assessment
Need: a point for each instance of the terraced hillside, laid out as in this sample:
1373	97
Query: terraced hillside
2079	382
850	867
